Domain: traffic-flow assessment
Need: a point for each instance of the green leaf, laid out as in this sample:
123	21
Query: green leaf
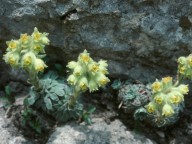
30	100
48	103
8	90
59	92
53	96
91	110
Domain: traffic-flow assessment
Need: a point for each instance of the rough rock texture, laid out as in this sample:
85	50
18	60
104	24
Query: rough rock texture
141	39
9	134
98	133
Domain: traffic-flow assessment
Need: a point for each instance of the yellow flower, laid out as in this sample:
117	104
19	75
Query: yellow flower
39	65
94	67
83	86
102	79
24	38
184	89
156	86
84	57
167	110
182	70
159	98
12	44
83	83
150	107
166	80
175	99
11	58
36	34
28	59
37	48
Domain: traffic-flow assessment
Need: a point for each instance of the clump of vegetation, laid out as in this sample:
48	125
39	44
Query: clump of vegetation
8	99
51	93
166	101
27	53
87	74
133	96
165	97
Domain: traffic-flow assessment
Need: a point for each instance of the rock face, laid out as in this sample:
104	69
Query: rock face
141	39
9	134
98	133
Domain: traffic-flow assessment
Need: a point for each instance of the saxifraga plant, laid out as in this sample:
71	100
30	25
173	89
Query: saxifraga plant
50	93
133	96
168	95
27	53
165	96
166	101
87	74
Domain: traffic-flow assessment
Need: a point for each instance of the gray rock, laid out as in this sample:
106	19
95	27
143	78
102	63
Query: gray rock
97	133
141	39
9	134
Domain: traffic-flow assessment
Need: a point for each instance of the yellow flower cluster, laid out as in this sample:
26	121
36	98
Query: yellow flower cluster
166	96
185	66
25	52
88	74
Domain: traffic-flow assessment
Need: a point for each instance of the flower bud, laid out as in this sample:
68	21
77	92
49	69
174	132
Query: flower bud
12	45
72	64
39	65
72	79
182	70
167	110
101	79
84	57
167	80
92	86
103	69
12	58
36	35
183	89
78	70
38	48
28	59
175	99
156	86
83	83
24	38
150	107
45	40
159	98
93	67
182	60
103	63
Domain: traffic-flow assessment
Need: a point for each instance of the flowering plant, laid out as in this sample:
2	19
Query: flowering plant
27	53
87	74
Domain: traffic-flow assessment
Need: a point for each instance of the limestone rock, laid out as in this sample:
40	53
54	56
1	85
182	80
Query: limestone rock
141	39
97	133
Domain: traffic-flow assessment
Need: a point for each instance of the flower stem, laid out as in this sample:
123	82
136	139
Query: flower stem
74	98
